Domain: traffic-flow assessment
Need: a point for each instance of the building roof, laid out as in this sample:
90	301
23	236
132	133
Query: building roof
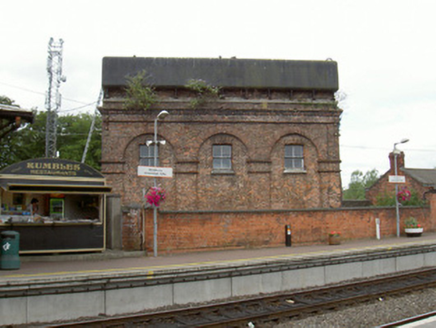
231	73
11	118
425	176
11	112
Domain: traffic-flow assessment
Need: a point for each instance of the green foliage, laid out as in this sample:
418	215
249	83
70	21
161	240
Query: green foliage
6	101
204	92
389	200
25	143
358	183
139	94
72	133
72	136
411	222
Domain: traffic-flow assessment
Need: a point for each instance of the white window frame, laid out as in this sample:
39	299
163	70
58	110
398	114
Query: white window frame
294	158
147	158
222	158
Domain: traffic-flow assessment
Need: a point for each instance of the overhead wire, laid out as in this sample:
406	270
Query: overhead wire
43	94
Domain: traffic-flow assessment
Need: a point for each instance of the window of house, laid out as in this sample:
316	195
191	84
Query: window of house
146	155
222	157
294	158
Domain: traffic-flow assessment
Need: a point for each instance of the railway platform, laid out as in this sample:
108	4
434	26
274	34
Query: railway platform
118	283
115	262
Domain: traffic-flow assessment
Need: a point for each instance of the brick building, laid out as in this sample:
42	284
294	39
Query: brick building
421	181
270	140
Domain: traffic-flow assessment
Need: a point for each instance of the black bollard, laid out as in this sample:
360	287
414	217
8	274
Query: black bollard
288	235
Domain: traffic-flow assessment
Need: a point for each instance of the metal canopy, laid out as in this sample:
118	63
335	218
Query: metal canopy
57	188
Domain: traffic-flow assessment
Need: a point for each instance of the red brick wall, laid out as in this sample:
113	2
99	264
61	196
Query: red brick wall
257	128
201	231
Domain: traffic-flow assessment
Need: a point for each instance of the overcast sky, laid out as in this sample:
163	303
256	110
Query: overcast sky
386	54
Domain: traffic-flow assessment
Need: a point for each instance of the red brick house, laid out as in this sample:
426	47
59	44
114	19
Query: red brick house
421	181
270	140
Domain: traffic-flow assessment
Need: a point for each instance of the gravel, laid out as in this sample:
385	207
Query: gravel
373	314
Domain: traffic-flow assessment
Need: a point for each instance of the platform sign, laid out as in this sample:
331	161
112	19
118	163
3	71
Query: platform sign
155	171
397	179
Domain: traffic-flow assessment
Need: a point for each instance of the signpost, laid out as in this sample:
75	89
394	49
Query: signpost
397	179
155	172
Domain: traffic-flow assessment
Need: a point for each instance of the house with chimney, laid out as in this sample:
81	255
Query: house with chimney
421	181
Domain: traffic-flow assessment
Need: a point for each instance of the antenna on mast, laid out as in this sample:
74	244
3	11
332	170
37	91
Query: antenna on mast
53	96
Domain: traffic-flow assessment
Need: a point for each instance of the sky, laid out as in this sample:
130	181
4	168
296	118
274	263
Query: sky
385	50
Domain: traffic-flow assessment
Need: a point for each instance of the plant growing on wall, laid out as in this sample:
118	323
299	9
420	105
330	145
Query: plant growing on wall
204	92
139	94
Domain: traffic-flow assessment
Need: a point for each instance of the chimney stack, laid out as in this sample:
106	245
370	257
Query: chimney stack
400	161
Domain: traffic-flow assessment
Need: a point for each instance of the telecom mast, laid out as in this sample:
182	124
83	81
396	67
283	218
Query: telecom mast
53	96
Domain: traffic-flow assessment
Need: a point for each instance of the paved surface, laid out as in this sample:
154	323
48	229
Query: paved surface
111	261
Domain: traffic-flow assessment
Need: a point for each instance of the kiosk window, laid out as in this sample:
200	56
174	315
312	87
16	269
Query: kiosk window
17	199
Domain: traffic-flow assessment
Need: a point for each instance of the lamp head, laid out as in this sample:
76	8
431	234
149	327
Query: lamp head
162	115
400	142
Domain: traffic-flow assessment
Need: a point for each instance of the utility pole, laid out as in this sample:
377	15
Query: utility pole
53	96
91	129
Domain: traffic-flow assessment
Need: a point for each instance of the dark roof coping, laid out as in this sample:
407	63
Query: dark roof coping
231	73
425	176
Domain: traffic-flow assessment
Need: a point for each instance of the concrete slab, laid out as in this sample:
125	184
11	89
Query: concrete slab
13	311
202	291
411	262
132	300
49	308
303	278
342	272
378	267
247	285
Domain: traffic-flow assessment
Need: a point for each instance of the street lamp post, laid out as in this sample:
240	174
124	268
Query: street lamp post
160	116
397	207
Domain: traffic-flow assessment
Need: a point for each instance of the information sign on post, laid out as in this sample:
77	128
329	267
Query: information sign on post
154	171
397	179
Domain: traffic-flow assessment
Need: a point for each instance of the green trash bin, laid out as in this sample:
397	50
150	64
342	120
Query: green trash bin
10	246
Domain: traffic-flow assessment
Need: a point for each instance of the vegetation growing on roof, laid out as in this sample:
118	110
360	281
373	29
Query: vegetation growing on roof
139	93
204	92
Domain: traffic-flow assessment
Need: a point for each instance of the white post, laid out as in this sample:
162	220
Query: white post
377	228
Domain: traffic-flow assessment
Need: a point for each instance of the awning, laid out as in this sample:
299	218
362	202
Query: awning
57	188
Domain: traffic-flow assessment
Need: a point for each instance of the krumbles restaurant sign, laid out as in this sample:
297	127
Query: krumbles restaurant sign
52	167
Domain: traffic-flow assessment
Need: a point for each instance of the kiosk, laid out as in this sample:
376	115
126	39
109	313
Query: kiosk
55	205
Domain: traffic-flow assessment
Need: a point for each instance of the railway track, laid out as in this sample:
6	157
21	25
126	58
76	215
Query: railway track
267	310
415	319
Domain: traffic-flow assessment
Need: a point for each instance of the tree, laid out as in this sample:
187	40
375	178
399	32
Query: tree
25	143
6	101
29	141
72	136
359	182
